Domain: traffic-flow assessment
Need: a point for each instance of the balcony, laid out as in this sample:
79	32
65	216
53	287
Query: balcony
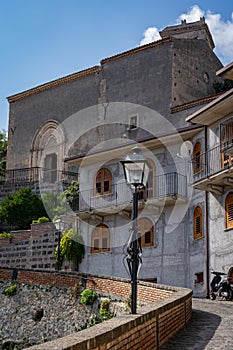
216	169
36	174
168	188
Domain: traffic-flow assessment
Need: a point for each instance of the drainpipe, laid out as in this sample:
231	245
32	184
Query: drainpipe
207	224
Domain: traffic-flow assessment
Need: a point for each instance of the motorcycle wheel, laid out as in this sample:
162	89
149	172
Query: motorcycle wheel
230	295
212	296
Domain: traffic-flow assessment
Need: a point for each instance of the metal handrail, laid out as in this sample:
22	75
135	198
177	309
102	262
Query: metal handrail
36	174
165	185
213	161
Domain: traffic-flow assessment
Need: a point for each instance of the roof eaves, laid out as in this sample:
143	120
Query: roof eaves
54	83
225	69
213	103
194	103
135	50
180	131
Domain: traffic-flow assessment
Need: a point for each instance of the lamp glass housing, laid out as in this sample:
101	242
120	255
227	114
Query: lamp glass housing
136	170
59	224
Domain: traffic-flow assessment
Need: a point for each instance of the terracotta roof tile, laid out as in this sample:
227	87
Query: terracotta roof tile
194	103
53	83
135	50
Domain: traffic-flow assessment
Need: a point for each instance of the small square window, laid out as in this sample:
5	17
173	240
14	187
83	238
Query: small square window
133	122
199	278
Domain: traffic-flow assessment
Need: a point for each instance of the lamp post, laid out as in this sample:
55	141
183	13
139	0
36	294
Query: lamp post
59	224
136	172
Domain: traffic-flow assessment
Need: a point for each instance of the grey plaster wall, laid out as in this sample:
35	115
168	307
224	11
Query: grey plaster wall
156	77
58	103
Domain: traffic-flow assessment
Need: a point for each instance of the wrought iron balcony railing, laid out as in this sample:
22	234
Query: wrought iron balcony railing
165	186
36	174
213	162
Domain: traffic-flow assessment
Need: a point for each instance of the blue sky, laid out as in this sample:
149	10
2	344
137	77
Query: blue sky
42	40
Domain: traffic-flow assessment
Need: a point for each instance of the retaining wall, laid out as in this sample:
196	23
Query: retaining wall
168	309
32	248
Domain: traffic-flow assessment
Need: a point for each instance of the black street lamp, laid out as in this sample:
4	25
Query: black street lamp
59	224
136	172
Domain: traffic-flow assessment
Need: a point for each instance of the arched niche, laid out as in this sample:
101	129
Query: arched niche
47	148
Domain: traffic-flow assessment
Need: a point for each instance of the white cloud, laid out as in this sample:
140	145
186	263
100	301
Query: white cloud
222	31
193	15
150	34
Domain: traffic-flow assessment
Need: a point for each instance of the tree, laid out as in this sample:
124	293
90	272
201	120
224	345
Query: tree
21	208
57	204
3	152
226	85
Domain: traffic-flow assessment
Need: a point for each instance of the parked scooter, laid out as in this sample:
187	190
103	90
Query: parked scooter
221	286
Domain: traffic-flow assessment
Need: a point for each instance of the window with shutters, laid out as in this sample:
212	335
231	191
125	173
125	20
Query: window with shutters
229	210
226	143
103	182
198	223
197	158
100	239
146	230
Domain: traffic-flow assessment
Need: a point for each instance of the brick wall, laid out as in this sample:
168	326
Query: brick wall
169	310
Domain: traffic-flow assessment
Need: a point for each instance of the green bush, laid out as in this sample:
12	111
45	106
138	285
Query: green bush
5	235
41	220
104	309
11	290
71	247
88	297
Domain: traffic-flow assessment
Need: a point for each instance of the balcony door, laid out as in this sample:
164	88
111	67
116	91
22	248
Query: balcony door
226	143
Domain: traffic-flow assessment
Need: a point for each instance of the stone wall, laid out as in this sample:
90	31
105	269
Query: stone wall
39	313
30	248
169	310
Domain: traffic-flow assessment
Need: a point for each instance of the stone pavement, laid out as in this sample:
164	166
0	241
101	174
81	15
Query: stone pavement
210	328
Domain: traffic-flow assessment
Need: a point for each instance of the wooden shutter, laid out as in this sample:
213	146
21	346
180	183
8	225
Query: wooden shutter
146	229
103	182
100	240
197	222
229	210
197	158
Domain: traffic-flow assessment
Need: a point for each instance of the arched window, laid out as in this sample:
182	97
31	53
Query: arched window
103	182
146	229
229	210
100	239
197	158
197	223
230	272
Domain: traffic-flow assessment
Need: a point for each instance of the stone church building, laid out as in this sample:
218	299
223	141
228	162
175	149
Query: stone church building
82	125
